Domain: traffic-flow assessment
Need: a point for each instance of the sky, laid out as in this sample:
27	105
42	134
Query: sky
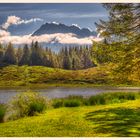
32	16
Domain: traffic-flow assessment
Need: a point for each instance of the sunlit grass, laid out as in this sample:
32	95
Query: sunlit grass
120	119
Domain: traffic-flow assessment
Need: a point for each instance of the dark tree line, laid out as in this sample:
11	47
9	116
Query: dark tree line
34	55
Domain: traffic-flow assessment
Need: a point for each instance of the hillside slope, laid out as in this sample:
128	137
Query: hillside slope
25	75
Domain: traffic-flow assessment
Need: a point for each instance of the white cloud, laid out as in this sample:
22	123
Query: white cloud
69	38
49	38
17	20
4	33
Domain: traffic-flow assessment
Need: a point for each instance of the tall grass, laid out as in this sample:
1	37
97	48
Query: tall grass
100	99
72	103
2	112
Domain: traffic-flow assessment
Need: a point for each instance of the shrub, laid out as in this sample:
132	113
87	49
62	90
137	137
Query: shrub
131	96
2	112
71	103
27	104
58	103
122	96
36	107
100	99
97	99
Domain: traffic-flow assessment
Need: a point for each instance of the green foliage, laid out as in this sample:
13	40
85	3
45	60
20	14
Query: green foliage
99	99
36	57
96	100
2	112
9	57
72	103
27	75
27	104
116	97
36	107
121	42
122	24
57	103
25	57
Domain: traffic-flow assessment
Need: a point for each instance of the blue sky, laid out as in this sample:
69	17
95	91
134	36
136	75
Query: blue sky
85	15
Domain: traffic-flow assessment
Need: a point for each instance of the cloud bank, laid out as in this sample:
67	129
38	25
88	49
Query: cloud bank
14	20
48	38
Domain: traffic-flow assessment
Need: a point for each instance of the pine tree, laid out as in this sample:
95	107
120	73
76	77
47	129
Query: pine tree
122	34
123	24
9	56
36	55
25	59
66	59
19	54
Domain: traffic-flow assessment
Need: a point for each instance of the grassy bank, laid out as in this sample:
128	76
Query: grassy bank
43	77
108	114
117	120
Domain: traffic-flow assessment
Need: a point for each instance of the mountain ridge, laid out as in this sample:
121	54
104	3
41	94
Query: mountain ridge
53	27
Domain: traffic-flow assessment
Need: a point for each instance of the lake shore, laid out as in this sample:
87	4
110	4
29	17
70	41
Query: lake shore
45	86
63	90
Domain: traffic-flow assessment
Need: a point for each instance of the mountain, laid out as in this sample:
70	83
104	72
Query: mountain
52	28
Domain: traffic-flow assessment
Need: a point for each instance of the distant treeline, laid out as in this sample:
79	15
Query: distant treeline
34	55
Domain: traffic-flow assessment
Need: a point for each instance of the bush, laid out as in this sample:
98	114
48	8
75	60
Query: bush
2	112
27	104
122	96
72	103
97	99
131	96
36	107
58	103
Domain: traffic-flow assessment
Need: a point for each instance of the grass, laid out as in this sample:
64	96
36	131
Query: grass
99	99
112	120
42	77
37	75
2	112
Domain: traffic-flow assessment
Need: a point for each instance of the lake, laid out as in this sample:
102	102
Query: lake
59	92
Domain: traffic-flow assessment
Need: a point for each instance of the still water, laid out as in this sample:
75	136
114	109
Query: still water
59	92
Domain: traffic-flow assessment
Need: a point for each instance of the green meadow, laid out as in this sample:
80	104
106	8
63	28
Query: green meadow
118	116
42	77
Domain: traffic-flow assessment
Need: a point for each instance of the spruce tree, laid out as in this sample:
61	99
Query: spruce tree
9	56
36	55
19	54
25	59
122	34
